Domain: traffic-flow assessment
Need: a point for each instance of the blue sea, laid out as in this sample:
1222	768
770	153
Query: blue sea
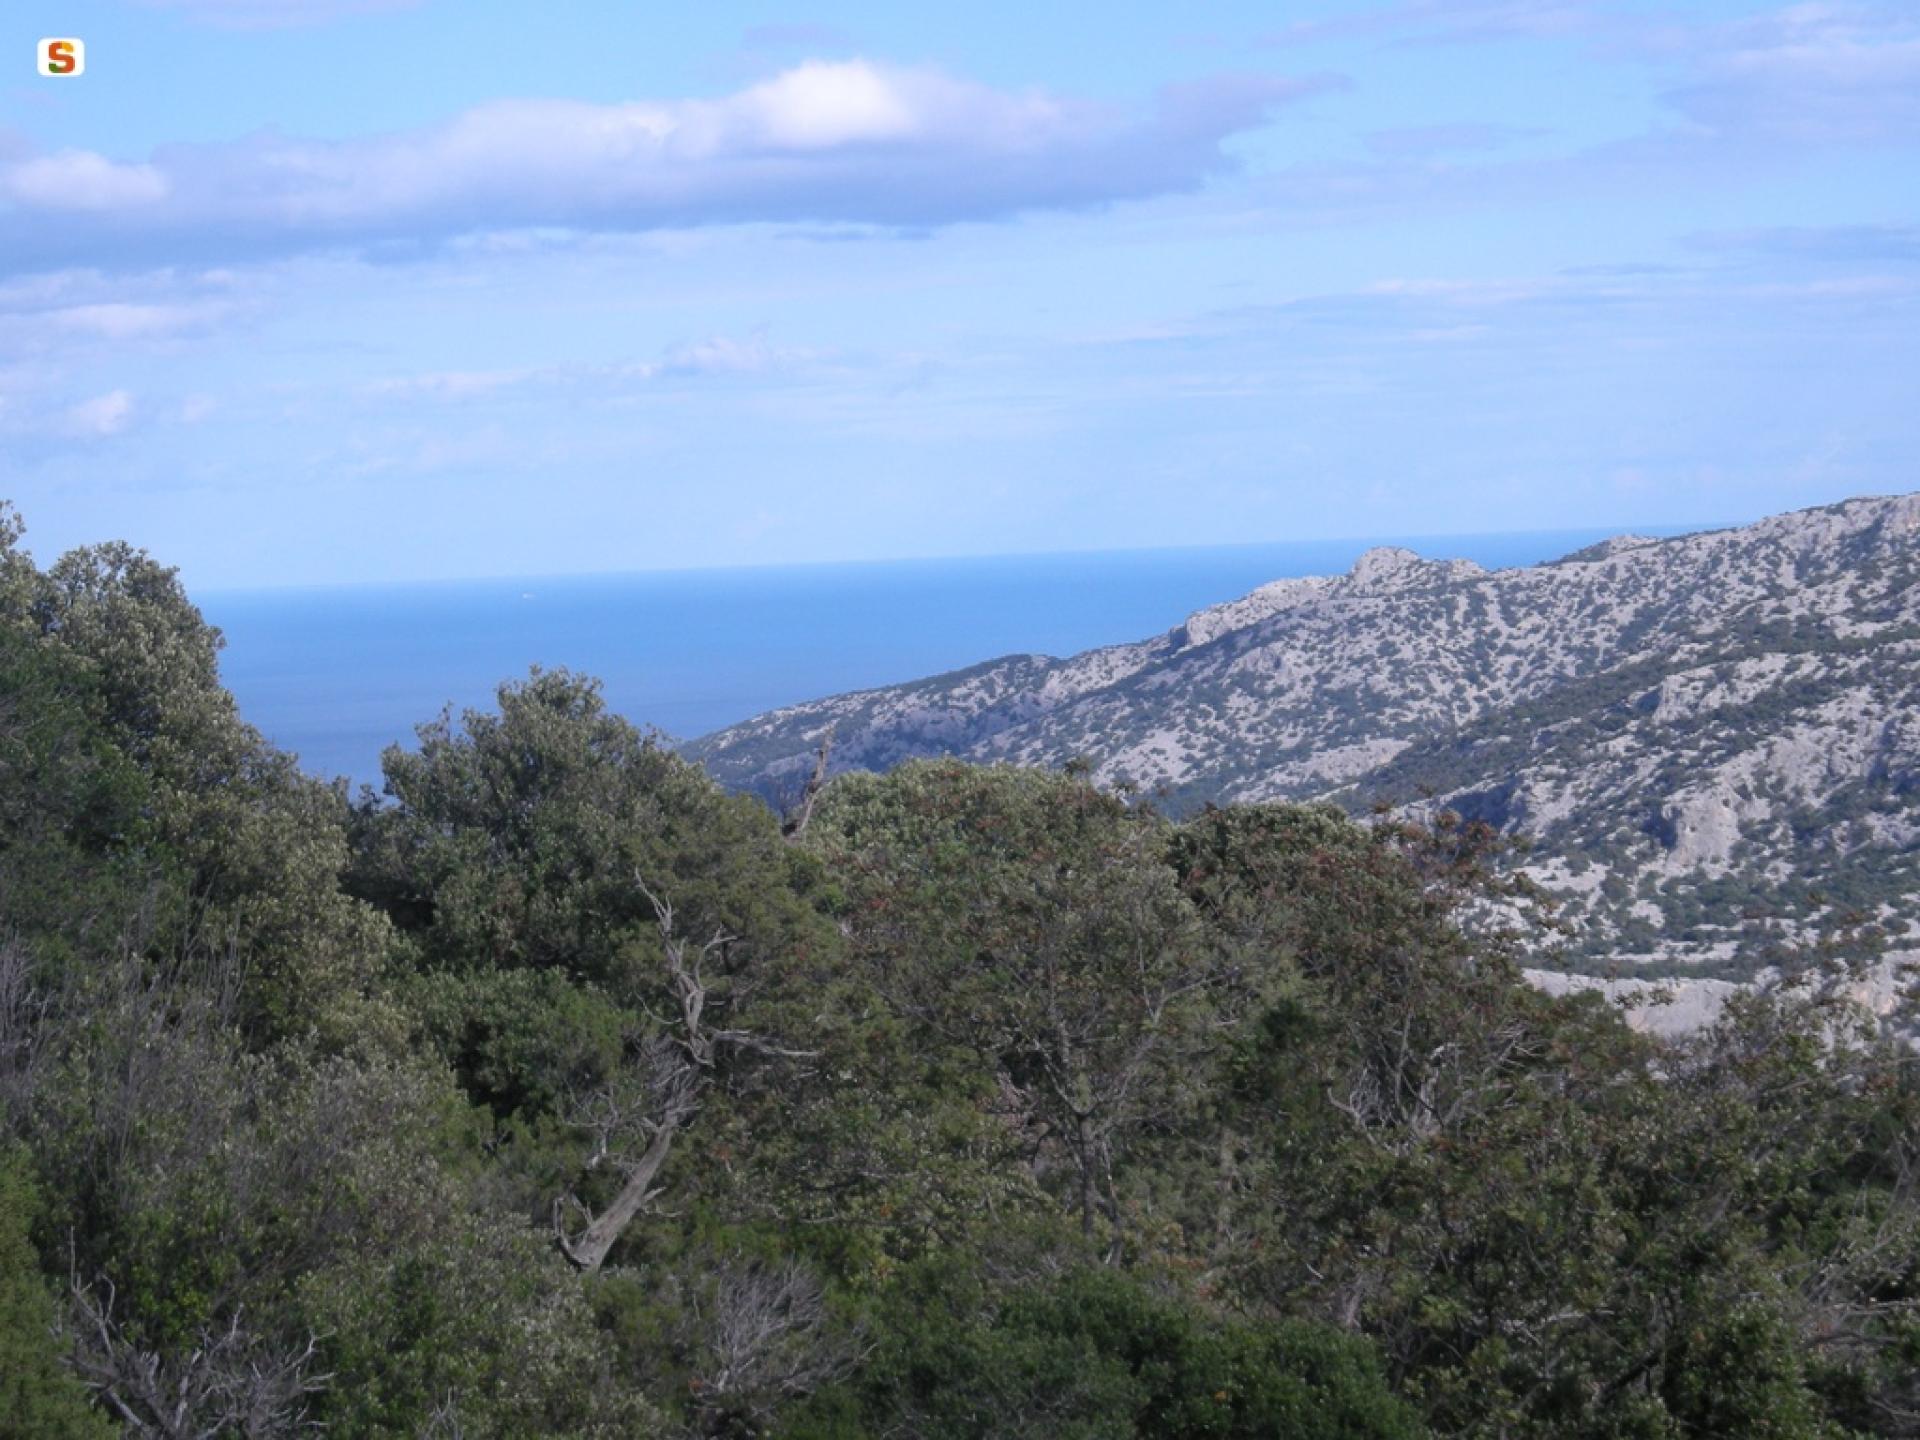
338	674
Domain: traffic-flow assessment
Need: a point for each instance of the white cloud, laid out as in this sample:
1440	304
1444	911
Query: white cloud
821	104
126	320
81	180
718	355
724	355
1468	293
65	324
455	384
833	141
1817	71
1809	73
103	415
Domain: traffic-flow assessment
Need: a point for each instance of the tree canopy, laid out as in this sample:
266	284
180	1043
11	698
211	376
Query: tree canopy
554	1090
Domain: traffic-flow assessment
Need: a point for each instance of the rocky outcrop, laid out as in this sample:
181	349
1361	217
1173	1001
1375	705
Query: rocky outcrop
1710	739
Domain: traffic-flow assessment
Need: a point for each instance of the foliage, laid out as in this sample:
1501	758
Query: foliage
39	1397
1092	1354
1026	928
530	838
254	848
559	1092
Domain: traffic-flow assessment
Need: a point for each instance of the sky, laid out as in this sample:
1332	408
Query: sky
317	291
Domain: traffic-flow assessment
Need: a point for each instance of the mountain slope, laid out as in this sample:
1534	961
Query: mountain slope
1697	732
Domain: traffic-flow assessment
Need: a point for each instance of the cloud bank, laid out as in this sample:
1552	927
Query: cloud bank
1811	73
842	141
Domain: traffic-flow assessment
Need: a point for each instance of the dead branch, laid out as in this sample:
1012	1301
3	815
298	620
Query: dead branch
796	822
232	1383
678	1066
761	1334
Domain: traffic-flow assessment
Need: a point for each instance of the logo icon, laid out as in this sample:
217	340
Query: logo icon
65	58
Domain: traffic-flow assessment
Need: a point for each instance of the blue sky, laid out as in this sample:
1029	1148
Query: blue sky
300	291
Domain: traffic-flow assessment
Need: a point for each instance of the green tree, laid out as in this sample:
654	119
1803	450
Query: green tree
77	851
40	1398
1028	923
254	848
1097	1355
610	944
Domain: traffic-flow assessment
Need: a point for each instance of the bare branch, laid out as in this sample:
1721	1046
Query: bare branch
655	1105
761	1336
795	824
232	1383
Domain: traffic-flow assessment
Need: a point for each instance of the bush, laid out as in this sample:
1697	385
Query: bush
1098	1355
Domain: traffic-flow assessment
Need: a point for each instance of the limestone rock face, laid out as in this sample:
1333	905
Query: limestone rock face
1383	566
1205	626
1712	740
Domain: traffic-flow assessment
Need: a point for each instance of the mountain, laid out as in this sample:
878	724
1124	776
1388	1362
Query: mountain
1711	741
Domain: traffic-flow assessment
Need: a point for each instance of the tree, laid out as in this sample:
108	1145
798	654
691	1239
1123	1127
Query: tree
1029	922
1094	1354
229	1383
40	1398
517	839
1550	1225
78	852
552	856
677	1065
246	850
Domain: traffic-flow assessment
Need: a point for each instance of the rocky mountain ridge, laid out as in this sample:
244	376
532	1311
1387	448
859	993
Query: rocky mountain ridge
1712	740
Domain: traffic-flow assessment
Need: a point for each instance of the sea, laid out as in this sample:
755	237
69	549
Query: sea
338	674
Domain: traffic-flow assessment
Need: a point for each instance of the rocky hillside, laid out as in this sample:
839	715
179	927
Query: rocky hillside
1712	740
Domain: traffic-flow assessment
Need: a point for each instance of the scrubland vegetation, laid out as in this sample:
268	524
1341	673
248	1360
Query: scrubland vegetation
557	1091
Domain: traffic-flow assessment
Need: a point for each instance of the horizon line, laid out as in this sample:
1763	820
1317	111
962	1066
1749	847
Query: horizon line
1656	532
